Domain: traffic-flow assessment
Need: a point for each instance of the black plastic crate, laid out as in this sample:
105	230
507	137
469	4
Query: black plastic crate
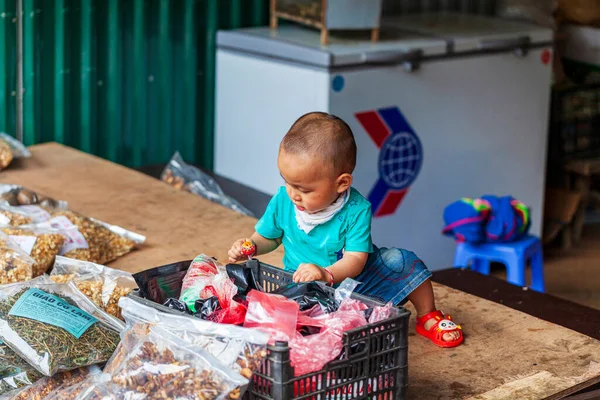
373	365
575	123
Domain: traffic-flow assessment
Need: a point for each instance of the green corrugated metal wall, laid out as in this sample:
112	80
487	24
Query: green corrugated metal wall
128	80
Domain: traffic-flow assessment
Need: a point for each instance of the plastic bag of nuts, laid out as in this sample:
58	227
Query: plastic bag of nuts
241	349
48	386
151	363
93	387
103	285
15	264
92	240
11	148
23	215
17	216
42	245
186	177
16	195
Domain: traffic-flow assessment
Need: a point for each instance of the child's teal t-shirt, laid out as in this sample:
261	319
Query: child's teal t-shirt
348	230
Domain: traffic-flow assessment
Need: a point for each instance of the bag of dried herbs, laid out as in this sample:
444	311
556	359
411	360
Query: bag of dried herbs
11	148
15	372
16	195
54	327
92	240
151	363
43	245
48	387
103	285
241	349
15	264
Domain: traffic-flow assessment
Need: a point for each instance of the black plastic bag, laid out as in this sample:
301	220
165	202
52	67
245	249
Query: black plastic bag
309	294
245	277
205	307
176	304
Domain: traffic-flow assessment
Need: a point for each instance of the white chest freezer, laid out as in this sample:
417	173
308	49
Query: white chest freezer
443	107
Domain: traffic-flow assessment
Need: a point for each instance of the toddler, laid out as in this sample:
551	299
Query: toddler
324	225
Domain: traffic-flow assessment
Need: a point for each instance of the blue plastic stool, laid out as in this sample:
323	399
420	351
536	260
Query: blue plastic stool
513	255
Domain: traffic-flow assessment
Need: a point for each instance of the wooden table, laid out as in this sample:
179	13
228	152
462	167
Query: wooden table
178	225
507	354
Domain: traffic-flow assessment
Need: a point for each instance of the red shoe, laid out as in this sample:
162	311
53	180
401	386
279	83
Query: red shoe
442	325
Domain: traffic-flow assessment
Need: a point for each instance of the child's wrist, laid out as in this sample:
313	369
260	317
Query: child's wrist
328	277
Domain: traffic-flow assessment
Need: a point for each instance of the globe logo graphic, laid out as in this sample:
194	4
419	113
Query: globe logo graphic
400	160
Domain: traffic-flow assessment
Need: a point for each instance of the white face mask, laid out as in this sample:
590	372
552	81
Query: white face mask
307	222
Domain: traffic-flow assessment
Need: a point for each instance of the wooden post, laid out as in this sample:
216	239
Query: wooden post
374	34
324	31
273	13
324	36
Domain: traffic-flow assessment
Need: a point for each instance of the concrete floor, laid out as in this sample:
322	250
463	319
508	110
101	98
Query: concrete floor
573	275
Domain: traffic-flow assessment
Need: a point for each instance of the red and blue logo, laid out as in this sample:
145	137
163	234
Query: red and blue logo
400	157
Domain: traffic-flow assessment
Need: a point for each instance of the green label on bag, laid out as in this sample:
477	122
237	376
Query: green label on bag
44	307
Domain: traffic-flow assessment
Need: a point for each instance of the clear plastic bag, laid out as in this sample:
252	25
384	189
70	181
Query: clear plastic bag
55	327
48	387
22	215
11	148
345	289
43	245
241	349
15	373
15	264
206	278
537	11
91	240
152	363
93	387
186	177
17	148
199	276
381	313
16	195
103	285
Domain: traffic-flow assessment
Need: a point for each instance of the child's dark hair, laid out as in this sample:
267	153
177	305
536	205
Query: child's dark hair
325	136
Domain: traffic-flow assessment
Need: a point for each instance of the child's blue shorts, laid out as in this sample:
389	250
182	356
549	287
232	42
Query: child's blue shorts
390	275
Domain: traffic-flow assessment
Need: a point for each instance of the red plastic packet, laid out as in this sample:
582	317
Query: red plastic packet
273	314
311	353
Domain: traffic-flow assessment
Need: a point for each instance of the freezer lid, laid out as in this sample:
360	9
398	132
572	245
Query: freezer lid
467	33
299	44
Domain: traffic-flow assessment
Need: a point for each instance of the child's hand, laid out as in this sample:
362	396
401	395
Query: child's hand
235	253
310	273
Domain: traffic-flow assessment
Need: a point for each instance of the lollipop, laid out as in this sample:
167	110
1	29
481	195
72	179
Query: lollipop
248	249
